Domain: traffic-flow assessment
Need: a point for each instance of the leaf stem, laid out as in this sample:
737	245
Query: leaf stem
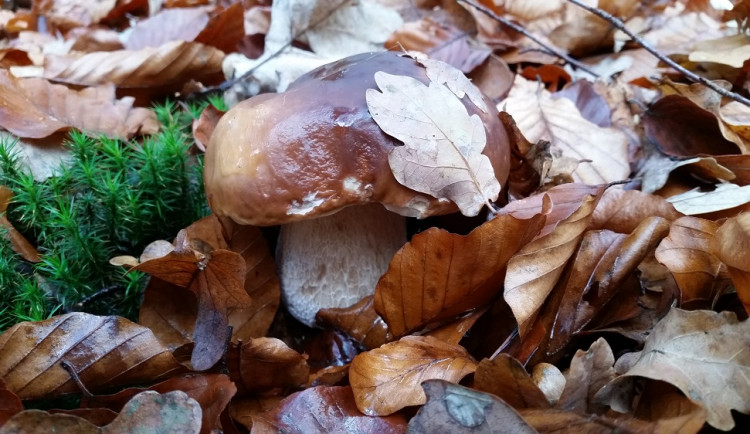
648	47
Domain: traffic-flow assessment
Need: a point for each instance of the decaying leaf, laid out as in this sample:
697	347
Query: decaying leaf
705	354
438	275
731	244
301	412
266	363
442	152
507	379
170	412
104	351
589	372
359	321
35	108
388	379
454	408
540	117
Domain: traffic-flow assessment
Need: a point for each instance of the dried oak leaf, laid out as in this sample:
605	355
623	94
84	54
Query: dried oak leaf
507	379
454	408
170	412
442	152
540	117
438	274
704	354
36	108
387	379
534	270
686	253
324	409
105	351
168	66
731	245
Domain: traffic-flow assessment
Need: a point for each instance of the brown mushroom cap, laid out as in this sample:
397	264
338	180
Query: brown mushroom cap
314	149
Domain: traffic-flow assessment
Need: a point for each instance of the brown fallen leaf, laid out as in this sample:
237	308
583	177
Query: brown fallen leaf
170	412
324	409
10	403
687	255
204	126
167	66
559	421
65	15
731	245
507	379
549	380
589	371
104	351
536	268
243	410
18	242
388	378
453	332
438	275
704	354
454	408
172	323
36	108
359	321
265	363
622	211
168	25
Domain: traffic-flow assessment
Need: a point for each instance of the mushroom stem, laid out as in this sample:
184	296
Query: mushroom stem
337	260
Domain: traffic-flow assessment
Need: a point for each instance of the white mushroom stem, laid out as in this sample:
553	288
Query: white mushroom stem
335	261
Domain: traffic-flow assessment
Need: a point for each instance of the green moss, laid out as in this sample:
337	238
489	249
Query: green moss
113	199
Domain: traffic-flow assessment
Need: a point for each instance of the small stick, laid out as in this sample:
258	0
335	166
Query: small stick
648	47
76	379
557	53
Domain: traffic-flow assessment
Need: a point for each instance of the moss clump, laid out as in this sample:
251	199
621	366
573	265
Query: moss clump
112	199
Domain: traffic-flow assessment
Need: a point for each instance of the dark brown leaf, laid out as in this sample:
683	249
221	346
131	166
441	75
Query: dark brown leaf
507	379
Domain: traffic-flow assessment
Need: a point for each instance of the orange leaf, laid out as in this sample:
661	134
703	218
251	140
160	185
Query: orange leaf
359	321
106	352
36	108
439	275
266	363
388	378
506	378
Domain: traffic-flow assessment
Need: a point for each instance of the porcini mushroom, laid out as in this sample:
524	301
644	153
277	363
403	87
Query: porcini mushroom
313	160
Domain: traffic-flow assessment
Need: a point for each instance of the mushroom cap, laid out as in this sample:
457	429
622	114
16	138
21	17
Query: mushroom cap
314	149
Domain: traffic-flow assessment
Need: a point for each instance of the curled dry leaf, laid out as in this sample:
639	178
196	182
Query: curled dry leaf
622	211
442	152
266	363
105	351
705	354
536	268
726	196
36	108
507	379
540	117
324	409
388	378
169	65
359	321
438	275
454	408
686	253
170	412
731	244
589	372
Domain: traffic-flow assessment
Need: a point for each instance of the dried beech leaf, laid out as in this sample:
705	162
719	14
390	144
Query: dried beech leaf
172	323
705	354
506	378
170	412
589	372
540	117
10	403
67	14
36	108
535	269
41	422
204	126
266	363
442	152
454	408
105	351
731	245
388	378
453	332
438	274
622	211
18	242
725	196
686	253
549	380
167	25
169	65
559	421
301	413
359	321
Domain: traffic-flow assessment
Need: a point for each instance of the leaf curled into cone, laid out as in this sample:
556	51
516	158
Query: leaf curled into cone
438	275
388	378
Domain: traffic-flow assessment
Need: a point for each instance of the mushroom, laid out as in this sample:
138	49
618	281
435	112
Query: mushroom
313	160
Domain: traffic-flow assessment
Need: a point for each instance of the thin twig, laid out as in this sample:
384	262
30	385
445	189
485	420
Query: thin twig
648	47
550	50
